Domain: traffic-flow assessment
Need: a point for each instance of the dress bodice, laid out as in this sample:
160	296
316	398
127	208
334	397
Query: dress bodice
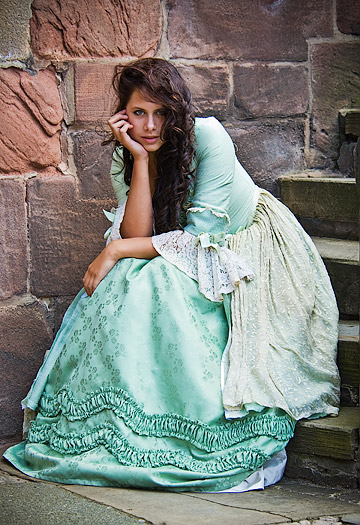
222	198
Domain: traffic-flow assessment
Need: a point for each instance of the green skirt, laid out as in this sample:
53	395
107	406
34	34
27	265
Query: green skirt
130	392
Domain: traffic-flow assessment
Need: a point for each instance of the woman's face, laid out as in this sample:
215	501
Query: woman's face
147	119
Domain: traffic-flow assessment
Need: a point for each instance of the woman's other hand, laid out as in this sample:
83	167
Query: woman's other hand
138	247
100	267
120	126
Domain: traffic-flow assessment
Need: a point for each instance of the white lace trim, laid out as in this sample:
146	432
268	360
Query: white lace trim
115	216
217	269
218	214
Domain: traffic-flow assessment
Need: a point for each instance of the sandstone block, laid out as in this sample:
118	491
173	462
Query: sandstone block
348	16
209	87
264	30
335	84
94	96
14	30
58	307
79	28
268	149
30	121
25	335
13	235
266	90
93	165
65	235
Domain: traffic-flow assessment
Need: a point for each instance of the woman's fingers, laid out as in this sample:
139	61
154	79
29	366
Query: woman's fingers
87	281
120	130
121	134
98	269
90	280
121	115
120	126
90	284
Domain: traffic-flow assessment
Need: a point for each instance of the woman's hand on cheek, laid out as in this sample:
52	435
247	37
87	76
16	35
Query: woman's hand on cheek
120	127
100	267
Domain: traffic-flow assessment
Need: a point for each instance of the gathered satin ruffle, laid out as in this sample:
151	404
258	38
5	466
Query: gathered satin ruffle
205	437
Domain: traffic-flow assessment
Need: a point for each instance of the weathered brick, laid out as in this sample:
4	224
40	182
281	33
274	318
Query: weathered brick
79	28
265	30
65	235
266	90
30	121
14	30
348	16
25	335
209	87
94	96
93	165
13	238
269	149
335	85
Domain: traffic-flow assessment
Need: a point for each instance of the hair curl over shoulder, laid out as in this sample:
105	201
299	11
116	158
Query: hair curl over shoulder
160	82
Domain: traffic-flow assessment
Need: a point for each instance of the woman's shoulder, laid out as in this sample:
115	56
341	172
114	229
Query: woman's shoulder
210	133
204	124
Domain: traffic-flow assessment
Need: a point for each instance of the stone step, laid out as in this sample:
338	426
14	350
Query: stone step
349	362
326	449
341	258
325	204
335	437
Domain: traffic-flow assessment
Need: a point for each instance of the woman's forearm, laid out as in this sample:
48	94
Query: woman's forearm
137	247
138	217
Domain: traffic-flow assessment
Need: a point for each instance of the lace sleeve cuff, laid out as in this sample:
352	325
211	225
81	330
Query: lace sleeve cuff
217	269
115	216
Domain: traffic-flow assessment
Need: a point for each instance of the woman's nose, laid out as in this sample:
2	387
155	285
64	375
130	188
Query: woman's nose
150	122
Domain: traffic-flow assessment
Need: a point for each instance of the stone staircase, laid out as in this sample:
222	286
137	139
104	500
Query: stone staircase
326	450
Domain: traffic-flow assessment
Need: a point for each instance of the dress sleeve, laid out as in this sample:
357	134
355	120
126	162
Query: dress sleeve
200	250
215	159
121	190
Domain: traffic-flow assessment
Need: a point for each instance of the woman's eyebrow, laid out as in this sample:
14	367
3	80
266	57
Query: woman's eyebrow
140	107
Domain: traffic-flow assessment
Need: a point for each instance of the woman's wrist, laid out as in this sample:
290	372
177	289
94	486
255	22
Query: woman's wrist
114	250
141	158
138	247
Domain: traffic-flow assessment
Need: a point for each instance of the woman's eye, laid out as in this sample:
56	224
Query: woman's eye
138	112
161	112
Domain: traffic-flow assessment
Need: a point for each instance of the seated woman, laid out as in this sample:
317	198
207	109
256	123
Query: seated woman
208	325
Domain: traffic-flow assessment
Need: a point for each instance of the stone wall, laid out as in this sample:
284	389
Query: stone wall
275	72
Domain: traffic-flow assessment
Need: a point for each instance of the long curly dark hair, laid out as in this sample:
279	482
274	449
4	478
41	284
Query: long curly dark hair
160	82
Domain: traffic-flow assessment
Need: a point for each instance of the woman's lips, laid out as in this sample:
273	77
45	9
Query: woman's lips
150	140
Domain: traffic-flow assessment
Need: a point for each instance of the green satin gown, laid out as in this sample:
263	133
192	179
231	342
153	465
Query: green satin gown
130	393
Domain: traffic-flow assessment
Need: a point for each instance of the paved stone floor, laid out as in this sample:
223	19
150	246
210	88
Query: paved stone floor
24	501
